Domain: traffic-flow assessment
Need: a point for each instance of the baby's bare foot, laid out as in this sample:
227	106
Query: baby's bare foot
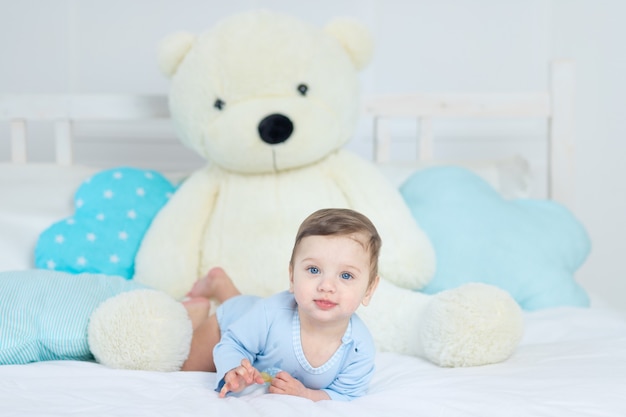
216	284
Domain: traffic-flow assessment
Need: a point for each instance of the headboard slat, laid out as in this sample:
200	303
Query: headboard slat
93	107
494	105
64	142
382	140
561	135
426	147
18	141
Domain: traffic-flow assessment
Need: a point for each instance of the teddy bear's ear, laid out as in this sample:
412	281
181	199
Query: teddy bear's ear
172	50
355	39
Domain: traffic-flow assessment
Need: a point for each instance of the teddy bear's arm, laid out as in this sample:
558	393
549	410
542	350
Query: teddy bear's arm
407	256
168	258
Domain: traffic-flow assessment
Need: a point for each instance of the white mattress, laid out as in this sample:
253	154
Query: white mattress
572	362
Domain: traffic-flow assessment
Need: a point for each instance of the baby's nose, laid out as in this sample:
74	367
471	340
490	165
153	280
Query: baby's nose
326	284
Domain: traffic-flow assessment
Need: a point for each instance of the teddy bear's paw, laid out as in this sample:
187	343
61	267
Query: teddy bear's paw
472	325
141	329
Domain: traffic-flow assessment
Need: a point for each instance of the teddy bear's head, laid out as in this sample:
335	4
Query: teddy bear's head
264	92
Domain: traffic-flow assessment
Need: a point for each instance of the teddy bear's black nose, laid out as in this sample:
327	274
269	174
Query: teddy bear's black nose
275	128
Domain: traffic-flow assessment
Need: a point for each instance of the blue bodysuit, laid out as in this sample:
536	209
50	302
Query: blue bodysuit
267	332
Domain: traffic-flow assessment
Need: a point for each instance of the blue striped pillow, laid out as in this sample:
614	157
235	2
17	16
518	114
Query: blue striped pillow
44	314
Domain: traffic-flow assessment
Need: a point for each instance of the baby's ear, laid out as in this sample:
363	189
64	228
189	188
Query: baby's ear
172	51
370	291
290	278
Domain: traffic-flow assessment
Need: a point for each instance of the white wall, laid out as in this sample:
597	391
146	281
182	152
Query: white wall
109	46
592	32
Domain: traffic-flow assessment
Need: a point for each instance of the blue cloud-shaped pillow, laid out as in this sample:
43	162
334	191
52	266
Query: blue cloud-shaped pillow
113	211
531	248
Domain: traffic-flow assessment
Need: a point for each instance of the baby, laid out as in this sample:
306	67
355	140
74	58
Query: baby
306	341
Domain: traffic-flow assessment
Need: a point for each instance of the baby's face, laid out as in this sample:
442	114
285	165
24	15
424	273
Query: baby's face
330	276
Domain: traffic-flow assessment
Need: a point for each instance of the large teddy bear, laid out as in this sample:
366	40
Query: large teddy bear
270	101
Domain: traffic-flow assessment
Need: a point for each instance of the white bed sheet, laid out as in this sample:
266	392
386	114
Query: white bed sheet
572	362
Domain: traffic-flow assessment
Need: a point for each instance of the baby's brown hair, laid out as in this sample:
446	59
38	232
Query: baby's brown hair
338	221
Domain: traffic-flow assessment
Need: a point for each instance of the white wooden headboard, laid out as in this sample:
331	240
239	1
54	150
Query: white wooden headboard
556	105
65	110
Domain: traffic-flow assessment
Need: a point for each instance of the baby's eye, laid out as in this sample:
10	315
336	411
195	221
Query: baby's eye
313	270
219	104
346	275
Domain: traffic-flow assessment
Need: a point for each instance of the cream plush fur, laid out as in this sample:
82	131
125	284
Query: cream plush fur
141	329
269	101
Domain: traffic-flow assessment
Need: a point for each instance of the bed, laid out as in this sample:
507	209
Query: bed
571	361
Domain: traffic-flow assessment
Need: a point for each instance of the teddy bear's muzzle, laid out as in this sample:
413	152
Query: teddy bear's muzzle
275	128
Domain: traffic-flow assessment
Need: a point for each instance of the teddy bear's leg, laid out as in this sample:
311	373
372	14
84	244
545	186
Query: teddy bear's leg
475	324
472	325
143	329
394	316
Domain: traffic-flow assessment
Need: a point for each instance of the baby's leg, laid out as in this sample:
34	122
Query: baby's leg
206	332
216	284
205	336
198	309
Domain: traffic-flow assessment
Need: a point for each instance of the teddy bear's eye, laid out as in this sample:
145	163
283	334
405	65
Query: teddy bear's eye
303	88
219	104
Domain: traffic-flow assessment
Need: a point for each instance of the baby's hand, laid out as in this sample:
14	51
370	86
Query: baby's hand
240	377
283	383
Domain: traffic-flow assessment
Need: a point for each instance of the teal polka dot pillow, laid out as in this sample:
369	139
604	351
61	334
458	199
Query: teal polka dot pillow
113	210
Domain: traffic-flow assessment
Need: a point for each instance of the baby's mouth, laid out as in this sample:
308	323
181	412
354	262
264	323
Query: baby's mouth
325	304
